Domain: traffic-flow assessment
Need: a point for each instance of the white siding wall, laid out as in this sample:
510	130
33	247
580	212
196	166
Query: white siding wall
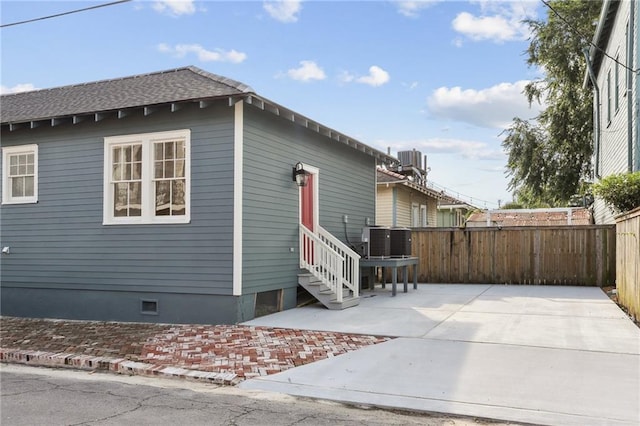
613	123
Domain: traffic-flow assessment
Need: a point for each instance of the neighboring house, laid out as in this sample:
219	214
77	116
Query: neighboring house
614	61
452	212
530	217
170	197
403	202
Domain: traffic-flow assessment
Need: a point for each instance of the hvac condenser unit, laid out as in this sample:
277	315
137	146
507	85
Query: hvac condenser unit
378	239
400	240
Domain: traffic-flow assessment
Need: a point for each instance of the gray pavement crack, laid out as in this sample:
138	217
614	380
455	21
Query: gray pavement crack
139	405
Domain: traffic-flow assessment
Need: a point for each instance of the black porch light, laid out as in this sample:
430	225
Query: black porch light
299	175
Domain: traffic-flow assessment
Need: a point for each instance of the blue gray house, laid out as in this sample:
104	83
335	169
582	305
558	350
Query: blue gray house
177	196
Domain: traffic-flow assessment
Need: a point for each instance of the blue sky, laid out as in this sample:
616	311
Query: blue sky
442	77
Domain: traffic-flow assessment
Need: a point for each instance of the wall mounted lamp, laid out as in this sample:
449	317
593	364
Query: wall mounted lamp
299	175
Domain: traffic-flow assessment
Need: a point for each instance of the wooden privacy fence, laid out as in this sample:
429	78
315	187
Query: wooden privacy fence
628	261
569	255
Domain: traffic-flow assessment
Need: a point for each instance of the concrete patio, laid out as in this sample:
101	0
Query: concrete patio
537	354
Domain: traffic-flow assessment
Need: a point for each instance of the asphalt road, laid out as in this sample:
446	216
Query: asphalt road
42	396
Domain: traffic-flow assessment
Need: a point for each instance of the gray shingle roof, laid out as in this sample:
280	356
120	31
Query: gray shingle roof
147	90
181	84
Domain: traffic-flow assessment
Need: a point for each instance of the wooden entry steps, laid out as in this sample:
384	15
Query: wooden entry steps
325	295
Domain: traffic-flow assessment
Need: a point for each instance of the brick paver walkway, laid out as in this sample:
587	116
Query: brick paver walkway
220	353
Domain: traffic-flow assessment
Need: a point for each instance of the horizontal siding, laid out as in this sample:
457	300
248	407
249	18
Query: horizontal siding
405	198
614	134
384	205
403	207
273	145
432	211
60	242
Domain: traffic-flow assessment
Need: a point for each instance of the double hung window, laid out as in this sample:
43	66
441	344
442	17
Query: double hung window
20	174
147	178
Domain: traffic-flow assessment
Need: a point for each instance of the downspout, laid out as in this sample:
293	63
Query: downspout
633	30
596	113
630	99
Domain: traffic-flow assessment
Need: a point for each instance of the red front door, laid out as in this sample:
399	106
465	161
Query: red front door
306	217
306	208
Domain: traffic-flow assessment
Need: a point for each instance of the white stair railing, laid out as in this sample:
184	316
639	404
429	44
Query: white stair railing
350	261
330	260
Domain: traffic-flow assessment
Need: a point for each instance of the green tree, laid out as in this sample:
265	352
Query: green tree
549	158
512	206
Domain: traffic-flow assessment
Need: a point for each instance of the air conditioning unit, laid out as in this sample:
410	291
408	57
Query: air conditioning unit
400	241
378	239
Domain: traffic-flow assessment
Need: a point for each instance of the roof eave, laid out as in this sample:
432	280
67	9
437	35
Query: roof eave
119	112
277	109
249	96
427	191
601	36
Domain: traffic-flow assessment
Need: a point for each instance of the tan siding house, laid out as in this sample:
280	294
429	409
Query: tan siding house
384	204
400	202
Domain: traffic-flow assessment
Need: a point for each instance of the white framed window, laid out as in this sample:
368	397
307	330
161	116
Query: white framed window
415	215
423	215
147	178
616	95
20	174
609	97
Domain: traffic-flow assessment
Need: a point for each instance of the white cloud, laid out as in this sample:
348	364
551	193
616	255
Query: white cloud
307	71
346	77
468	149
411	9
175	7
494	107
18	88
411	86
283	10
457	42
484	28
498	21
377	77
204	55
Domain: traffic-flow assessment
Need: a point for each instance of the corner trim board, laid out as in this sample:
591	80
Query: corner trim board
238	138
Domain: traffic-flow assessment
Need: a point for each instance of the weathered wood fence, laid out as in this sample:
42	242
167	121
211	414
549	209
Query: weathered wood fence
628	261
576	255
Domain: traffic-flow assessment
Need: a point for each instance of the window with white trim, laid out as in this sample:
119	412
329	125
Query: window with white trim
147	178
415	215
20	174
423	215
616	95
609	97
